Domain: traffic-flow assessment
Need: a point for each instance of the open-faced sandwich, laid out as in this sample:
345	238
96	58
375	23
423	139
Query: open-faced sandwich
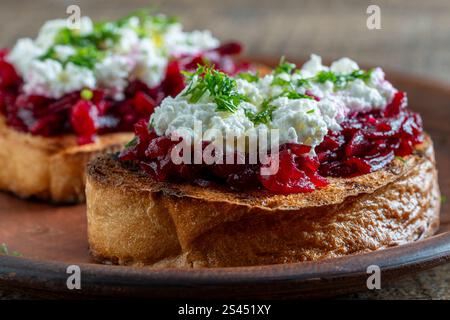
73	92
346	168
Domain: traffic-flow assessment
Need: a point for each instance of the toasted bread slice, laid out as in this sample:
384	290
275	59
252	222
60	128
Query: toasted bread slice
52	168
134	220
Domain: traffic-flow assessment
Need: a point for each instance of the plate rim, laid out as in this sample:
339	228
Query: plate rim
101	280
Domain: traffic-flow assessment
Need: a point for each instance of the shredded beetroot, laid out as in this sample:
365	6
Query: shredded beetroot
370	141
102	114
366	143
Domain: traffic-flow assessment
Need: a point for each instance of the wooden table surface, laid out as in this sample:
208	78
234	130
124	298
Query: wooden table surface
414	38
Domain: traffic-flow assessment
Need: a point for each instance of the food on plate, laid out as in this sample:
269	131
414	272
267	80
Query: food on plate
72	93
354	172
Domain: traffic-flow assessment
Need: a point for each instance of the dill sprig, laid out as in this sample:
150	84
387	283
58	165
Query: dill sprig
5	251
265	114
248	76
339	80
284	67
221	88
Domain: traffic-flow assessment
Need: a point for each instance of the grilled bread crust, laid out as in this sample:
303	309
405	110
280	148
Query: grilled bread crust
134	220
51	169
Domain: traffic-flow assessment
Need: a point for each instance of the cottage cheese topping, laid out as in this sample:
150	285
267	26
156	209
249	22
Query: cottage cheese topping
358	95
302	103
50	78
104	55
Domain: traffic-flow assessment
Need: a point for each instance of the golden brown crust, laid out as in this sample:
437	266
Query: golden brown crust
135	220
49	168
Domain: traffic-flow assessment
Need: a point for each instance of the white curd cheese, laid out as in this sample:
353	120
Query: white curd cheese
343	66
175	114
113	72
50	78
23	53
299	121
180	42
343	89
151	65
64	52
313	66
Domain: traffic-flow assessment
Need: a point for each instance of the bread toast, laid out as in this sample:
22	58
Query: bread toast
49	168
134	220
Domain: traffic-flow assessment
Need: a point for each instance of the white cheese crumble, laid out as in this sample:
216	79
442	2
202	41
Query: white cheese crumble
132	55
50	78
299	119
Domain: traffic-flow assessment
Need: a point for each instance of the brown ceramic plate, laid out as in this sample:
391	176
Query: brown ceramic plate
51	238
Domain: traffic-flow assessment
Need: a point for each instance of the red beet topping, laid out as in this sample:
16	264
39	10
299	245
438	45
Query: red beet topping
102	114
366	143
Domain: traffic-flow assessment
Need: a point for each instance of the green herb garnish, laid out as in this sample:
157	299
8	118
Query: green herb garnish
147	17
5	251
284	67
263	116
250	77
90	48
292	94
86	94
85	57
222	88
400	159
341	80
278	81
131	143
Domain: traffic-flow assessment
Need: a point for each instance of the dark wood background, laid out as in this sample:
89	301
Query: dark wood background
415	38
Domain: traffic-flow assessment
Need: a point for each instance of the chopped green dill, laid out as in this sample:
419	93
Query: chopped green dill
50	54
324	76
341	80
5	251
403	160
278	81
443	199
85	57
284	67
147	17
248	76
90	47
310	111
222	88
292	94
263	116
86	94
131	143
151	125
400	159
303	83
98	38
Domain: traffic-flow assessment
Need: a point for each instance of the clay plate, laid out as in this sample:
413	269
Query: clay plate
51	238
